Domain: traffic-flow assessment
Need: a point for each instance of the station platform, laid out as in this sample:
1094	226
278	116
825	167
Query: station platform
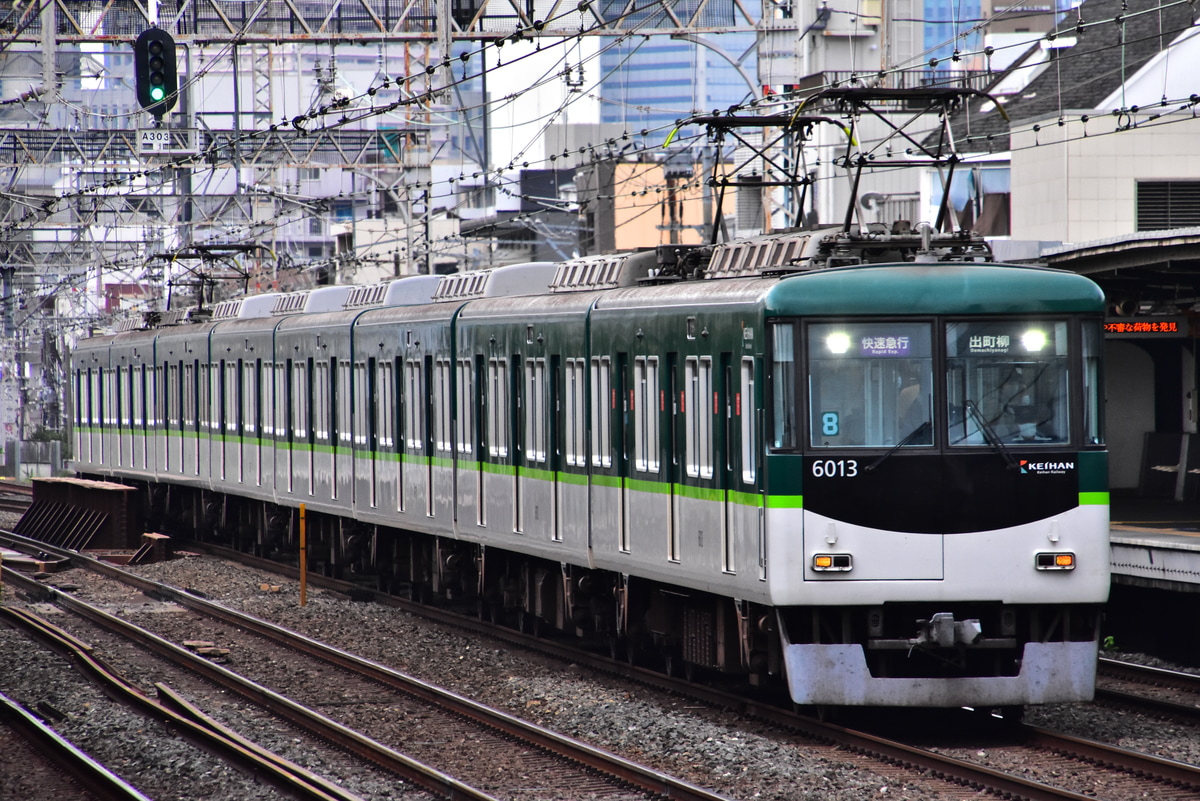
1155	543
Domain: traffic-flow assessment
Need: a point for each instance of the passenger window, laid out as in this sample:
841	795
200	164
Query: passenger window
1007	379
870	385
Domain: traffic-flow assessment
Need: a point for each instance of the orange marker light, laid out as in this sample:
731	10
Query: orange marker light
1060	560
837	562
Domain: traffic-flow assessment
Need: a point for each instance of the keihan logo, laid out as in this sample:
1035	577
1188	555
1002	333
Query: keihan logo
1046	468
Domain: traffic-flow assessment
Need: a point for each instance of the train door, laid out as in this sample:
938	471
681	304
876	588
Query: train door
283	425
291	420
310	420
466	455
566	437
649	498
251	448
107	418
498	427
620	433
699	406
749	513
323	424
535	490
172	394
518	442
368	434
432	414
606	495
417	407
189	431
395	379
156	406
573	506
210	419
223	421
343	452
443	461
725	460
119	424
137	394
482	408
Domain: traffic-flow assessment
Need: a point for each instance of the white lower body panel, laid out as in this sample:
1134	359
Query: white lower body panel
837	675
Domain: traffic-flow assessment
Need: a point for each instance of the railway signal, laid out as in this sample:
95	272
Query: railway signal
154	71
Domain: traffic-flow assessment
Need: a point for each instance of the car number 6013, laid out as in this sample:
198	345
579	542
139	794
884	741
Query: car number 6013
835	468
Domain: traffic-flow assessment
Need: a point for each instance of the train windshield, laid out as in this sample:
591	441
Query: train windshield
870	385
1007	381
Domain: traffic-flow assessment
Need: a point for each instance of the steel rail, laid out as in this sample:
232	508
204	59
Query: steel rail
321	726
953	770
1146	674
949	768
101	783
201	731
1154	676
638	776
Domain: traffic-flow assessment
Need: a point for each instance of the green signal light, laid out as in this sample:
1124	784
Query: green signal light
157	93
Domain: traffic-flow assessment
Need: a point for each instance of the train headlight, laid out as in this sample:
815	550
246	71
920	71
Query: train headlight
1061	560
1034	340
838	342
832	562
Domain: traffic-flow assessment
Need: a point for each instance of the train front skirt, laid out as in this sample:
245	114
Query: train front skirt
837	675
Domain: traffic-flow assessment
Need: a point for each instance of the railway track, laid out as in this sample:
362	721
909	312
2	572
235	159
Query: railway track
496	755
15	497
35	752
1154	690
1066	768
180	715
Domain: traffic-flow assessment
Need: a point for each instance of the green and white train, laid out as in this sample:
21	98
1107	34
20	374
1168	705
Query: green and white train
870	466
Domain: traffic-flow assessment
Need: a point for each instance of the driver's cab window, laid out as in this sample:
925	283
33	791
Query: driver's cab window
870	385
1007	380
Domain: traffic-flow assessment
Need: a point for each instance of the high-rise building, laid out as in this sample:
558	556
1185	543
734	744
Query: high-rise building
650	82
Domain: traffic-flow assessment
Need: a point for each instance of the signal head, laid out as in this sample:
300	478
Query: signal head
155	72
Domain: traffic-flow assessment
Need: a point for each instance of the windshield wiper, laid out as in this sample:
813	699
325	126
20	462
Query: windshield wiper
990	435
916	432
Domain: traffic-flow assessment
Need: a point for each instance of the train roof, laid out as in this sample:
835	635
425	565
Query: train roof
530	307
532	278
408	291
686	294
312	301
242	308
934	288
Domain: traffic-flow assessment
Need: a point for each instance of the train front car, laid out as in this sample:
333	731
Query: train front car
937	482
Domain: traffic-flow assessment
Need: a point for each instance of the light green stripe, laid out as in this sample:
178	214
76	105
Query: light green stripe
785	502
698	493
653	487
537	474
578	479
611	482
746	498
499	469
1093	499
